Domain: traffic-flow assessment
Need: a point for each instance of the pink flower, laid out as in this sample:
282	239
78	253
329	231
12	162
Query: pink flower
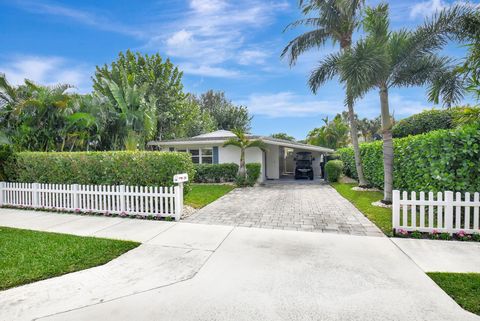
461	233
401	231
77	210
435	231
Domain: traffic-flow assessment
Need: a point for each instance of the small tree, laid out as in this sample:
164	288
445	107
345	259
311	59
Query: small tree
242	142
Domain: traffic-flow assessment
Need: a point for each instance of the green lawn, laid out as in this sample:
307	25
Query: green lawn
27	256
203	194
382	217
464	288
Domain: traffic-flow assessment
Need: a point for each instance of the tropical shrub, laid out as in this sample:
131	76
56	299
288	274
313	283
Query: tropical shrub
215	173
333	169
5	154
101	168
253	173
436	161
429	120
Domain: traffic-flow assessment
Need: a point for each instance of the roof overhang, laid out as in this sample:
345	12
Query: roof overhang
266	140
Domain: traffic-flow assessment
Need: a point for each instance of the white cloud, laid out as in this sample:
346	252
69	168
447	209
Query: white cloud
430	7
207	5
213	35
211	71
84	17
252	57
288	104
427	8
46	71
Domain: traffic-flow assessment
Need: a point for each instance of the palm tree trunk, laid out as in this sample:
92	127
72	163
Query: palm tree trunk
241	168
387	146
356	147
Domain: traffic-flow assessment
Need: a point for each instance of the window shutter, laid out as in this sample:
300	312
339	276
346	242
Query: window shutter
215	154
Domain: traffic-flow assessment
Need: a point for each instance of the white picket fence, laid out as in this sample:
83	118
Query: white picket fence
117	199
444	212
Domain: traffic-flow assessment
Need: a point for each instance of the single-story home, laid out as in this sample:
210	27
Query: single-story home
277	160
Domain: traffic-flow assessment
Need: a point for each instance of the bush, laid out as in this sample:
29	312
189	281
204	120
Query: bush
437	161
253	173
143	168
215	173
427	121
6	153
333	169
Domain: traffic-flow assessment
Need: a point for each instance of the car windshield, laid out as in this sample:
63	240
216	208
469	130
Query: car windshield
302	162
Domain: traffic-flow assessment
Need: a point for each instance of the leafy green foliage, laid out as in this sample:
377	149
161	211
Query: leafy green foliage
430	120
203	194
334	134
333	169
436	161
464	288
224	113
243	142
253	173
215	173
283	136
29	256
100	168
6	153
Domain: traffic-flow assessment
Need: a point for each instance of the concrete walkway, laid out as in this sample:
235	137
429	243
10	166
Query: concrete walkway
442	256
207	272
297	206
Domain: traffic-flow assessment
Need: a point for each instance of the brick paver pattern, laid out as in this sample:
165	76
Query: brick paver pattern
300	207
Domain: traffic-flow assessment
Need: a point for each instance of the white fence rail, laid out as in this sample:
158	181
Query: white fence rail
443	212
118	199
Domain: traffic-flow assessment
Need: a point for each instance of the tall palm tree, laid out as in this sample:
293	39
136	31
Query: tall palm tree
243	142
386	59
334	20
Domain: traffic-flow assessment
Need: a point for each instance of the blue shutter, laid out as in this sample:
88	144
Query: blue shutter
215	154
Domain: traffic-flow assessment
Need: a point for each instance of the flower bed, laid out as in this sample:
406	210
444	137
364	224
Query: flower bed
438	235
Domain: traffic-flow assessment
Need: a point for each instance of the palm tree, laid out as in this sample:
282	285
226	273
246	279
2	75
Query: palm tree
336	21
386	59
243	142
137	113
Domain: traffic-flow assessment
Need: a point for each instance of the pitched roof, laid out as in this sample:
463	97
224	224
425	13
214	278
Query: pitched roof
220	136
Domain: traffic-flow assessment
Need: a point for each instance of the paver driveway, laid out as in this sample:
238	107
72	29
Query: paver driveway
293	206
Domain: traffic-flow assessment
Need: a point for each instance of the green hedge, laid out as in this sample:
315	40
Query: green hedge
437	161
333	169
215	173
427	121
253	173
143	168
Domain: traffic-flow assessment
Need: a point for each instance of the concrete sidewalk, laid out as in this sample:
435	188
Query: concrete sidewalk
205	272
442	256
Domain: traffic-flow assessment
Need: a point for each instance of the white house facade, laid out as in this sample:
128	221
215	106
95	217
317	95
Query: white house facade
277	160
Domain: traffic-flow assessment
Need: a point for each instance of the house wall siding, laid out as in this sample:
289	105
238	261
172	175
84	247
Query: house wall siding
231	154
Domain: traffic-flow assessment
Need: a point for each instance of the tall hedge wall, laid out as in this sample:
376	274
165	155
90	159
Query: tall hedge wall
143	168
436	161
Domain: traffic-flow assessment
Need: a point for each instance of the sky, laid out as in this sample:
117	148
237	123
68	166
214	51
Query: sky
231	46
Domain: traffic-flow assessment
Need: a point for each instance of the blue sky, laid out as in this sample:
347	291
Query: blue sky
233	46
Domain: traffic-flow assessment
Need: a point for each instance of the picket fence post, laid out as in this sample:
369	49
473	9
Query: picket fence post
122	198
2	186
448	211
396	209
35	202
178	190
75	197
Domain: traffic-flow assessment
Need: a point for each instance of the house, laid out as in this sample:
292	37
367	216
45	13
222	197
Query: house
277	160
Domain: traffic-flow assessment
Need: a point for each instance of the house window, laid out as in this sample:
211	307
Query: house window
207	156
195	155
199	156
